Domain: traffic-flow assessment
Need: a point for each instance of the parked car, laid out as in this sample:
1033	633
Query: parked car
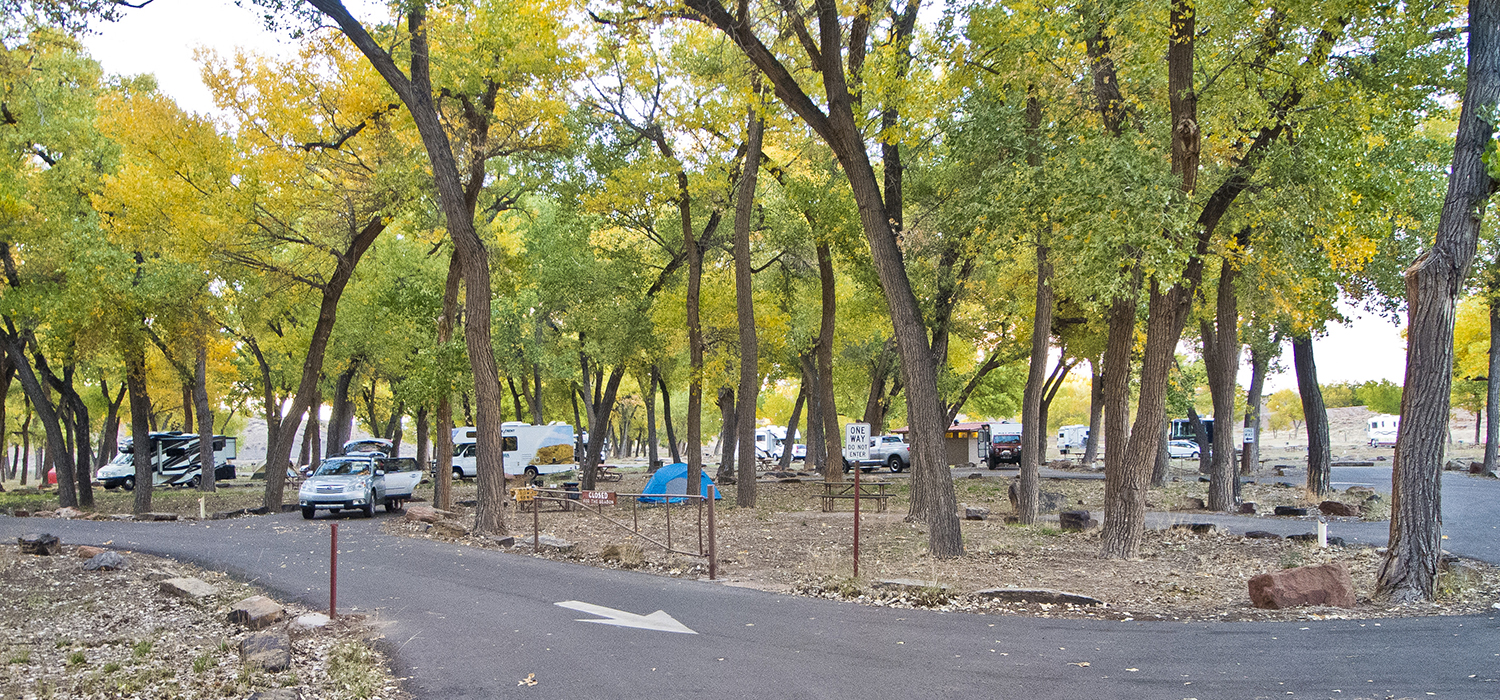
402	475
799	452
888	450
352	482
1183	448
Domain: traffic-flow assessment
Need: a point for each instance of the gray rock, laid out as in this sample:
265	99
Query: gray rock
311	621
1050	501
1197	528
267	651
1261	535
69	513
1247	508
1036	595
1291	511
976	513
1076	520
1194	503
1455	465
157	517
1338	509
255	612
43	544
506	541
544	542
188	587
107	561
449	529
908	585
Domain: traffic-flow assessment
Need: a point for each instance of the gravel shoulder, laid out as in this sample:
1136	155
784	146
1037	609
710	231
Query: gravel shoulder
72	633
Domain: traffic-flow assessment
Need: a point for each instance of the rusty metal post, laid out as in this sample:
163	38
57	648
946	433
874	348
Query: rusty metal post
713	549
857	470
669	521
635	515
536	525
700	523
333	570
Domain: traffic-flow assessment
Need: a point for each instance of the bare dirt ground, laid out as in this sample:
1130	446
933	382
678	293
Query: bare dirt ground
787	544
71	633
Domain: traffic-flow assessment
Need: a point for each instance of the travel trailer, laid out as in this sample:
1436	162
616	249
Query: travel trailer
1382	429
1072	437
530	450
174	461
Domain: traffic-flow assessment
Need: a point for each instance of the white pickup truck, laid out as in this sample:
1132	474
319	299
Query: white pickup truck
888	450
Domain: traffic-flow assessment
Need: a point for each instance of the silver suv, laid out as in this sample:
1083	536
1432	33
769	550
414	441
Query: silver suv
351	482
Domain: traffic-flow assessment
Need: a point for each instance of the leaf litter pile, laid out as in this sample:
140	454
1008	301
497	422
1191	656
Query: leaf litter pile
76	634
788	545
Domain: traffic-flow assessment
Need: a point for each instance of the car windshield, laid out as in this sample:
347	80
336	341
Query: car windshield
1007	439
343	467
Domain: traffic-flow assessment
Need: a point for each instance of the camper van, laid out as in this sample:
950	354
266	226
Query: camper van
529	450
1382	429
1072	437
174	461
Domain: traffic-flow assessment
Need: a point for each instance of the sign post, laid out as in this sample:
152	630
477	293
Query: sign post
856	449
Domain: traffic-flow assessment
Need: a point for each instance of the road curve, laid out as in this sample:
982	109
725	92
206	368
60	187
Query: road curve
466	623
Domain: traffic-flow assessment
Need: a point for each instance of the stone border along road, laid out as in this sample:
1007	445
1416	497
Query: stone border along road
469	623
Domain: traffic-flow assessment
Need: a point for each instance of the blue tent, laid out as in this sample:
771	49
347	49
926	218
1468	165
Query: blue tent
672	479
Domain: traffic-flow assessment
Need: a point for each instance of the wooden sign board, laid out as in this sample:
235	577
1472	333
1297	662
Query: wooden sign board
524	495
597	498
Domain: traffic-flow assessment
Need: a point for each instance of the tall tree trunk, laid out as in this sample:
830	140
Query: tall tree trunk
424	437
749	389
205	418
1163	458
727	434
109	435
878	401
1250	458
666	412
341	421
1031	401
1319	449
312	436
598	415
26	439
46	412
653	452
416	93
1433	283
1200	436
1492	390
7	376
1096	413
442	481
1221	359
827	408
134	351
187	407
817	443
789	446
1119	490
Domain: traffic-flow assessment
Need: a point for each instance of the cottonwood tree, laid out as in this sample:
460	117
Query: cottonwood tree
1409	571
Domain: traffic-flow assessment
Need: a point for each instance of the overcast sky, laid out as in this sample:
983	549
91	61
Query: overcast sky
161	37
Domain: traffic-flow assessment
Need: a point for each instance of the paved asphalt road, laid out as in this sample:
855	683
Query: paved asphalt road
463	623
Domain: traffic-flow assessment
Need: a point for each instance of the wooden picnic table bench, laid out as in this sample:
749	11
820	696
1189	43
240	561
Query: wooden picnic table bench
607	472
835	491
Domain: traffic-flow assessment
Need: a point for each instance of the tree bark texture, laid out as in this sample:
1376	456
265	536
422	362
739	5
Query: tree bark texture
205	418
817	445
1221	359
442	487
653	453
1250	459
1032	426
415	92
788	446
666	411
1163	458
727	434
1315	413
745	311
1096	413
46	412
1433	282
827	409
933	499
134	351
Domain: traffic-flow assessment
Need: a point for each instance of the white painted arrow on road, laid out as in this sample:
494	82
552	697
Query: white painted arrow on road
659	620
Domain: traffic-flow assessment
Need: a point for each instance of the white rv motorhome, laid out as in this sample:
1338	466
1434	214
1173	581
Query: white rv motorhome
174	461
530	450
1382	429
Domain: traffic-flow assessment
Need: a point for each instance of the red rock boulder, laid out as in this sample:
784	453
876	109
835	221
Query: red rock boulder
1325	584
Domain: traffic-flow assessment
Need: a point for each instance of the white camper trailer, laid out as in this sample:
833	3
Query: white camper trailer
1382	429
529	450
1072	437
174	461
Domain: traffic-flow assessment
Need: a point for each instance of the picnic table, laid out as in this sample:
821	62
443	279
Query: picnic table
835	491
